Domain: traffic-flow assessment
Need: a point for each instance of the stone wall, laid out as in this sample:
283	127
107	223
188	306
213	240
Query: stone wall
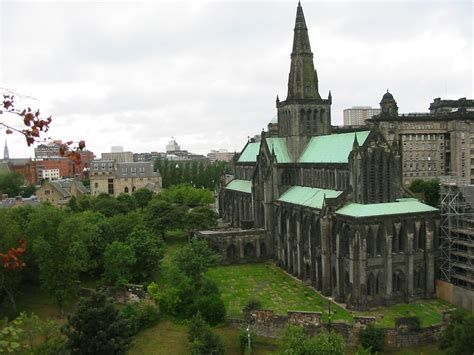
123	295
405	334
455	295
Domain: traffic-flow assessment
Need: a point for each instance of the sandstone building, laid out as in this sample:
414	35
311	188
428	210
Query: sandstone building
433	144
358	115
58	192
113	178
329	208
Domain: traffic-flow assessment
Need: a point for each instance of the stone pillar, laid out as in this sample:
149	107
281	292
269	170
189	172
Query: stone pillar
388	266
430	264
326	256
257	247
409	259
288	245
298	250
362	269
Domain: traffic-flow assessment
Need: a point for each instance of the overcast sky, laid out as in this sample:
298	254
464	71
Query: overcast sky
207	73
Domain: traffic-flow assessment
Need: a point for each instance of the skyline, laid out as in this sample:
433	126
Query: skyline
211	81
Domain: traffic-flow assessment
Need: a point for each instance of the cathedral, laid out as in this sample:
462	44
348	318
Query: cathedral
328	206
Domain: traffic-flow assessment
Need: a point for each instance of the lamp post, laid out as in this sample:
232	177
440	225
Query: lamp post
248	337
329	312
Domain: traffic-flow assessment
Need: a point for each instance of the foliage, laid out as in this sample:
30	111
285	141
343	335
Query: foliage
107	205
212	308
252	304
148	250
11	336
361	351
119	260
457	338
197	174
430	190
142	197
14	184
10	264
295	342
97	327
201	217
187	195
141	315
195	259
162	216
42	336
373	338
202	340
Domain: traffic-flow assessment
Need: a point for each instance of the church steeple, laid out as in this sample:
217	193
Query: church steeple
303	79
6	155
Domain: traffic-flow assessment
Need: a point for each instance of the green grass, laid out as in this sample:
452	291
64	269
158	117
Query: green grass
172	338
428	311
275	289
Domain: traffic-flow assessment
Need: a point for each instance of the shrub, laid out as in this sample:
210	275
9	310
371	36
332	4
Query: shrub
244	340
212	309
372	338
141	315
252	304
202	340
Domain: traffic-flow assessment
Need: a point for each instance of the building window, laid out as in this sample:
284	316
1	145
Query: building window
133	171
125	189
111	186
96	185
102	165
110	165
142	170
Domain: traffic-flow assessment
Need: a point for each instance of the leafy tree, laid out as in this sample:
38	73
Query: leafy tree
201	217
187	195
107	205
119	259
457	339
142	197
252	304
97	327
372	338
42	336
14	184
141	315
11	336
161	216
126	203
293	340
148	250
430	190
326	344
202	340
194	259
119	227
212	308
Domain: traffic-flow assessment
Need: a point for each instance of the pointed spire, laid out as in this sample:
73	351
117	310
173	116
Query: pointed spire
278	99
303	79
6	154
355	144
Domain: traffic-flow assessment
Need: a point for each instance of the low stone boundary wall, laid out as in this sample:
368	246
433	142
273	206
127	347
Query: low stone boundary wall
405	334
123	295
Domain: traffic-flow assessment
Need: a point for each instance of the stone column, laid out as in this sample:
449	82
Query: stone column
298	249
409	259
430	263
288	244
388	266
257	247
362	269
241	249
326	256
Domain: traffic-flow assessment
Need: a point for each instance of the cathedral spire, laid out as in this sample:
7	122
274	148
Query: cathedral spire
6	155
303	79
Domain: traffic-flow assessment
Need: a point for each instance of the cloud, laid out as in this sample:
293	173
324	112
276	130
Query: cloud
207	73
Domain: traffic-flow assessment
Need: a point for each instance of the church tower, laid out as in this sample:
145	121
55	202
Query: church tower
304	113
6	155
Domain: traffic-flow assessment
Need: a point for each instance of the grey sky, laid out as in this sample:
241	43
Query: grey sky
207	73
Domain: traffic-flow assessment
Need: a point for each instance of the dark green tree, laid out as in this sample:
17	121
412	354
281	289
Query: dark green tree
107	205
162	216
201	217
119	260
457	339
202	340
126	203
372	338
429	189
14	184
142	197
97	327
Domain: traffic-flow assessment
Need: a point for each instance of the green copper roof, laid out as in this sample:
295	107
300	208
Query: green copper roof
240	185
278	145
383	209
307	196
332	148
250	152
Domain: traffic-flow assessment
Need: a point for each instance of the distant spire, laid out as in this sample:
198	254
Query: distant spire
303	79
6	155
356	142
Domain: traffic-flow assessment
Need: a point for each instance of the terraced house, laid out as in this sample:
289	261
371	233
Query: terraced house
332	206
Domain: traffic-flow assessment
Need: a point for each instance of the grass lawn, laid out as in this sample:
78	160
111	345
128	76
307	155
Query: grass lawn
428	311
275	289
171	338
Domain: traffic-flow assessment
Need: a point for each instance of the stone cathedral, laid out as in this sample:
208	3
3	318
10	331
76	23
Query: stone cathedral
327	206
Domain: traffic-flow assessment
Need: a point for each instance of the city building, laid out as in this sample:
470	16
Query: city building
357	115
50	150
59	192
172	146
119	157
432	144
220	155
114	178
9	202
148	156
50	174
328	207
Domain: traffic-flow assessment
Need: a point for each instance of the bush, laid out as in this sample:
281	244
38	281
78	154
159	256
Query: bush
212	309
252	304
457	338
141	315
372	338
202	340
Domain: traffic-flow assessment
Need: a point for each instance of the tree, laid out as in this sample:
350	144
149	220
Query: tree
161	216
97	327
187	195
194	259
296	342
201	217
457	339
10	264
430	190
372	338
142	197
126	203
202	340
14	184
148	250
212	308
106	204
119	260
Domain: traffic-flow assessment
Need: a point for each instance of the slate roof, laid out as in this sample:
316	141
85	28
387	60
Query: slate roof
64	186
332	148
250	152
278	145
384	209
240	185
308	196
